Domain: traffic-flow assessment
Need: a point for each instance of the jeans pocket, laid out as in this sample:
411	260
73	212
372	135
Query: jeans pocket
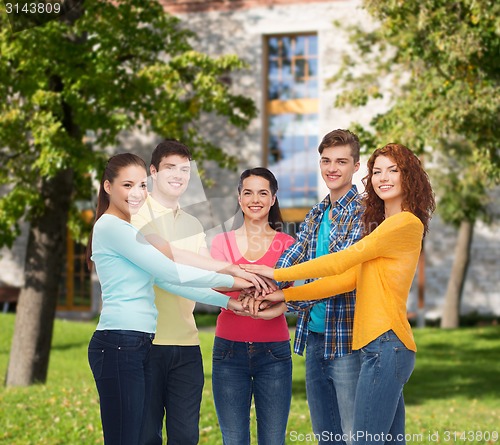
372	349
280	351
132	344
219	354
96	361
405	362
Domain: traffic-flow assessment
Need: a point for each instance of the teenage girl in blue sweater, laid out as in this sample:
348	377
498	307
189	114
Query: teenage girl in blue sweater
128	267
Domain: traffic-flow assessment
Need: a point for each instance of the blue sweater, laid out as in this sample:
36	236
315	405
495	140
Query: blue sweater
128	266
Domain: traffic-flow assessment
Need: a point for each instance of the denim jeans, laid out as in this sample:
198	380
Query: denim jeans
243	369
176	395
119	360
379	414
331	391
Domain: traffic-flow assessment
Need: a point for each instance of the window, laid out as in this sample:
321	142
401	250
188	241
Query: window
292	117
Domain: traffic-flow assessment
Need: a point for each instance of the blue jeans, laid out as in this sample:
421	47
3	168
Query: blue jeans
243	369
176	395
119	361
379	414
331	391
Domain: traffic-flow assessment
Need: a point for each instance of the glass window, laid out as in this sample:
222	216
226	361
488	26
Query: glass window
292	117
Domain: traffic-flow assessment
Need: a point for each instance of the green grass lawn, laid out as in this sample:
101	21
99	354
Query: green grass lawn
453	396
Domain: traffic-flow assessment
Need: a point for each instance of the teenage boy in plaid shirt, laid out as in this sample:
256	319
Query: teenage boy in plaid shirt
325	326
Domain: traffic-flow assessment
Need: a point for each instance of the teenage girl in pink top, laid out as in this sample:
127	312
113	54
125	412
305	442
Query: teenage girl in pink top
252	356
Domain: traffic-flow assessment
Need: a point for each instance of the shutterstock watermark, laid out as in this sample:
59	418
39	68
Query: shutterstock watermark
24	14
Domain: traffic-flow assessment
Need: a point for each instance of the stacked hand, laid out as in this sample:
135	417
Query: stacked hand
260	285
263	306
260	299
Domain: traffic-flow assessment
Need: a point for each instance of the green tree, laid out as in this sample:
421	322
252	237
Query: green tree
67	89
437	62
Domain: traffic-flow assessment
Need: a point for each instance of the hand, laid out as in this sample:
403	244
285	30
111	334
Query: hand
277	296
262	284
236	306
269	310
260	269
240	283
263	309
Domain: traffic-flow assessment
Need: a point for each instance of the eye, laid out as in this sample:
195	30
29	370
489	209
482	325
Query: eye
143	186
376	173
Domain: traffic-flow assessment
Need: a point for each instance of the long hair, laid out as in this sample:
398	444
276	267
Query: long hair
418	197
113	167
274	218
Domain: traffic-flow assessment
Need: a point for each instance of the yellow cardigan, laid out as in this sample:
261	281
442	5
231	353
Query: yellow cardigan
381	267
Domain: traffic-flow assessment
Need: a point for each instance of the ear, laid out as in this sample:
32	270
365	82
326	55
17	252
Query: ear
356	166
152	170
274	200
107	187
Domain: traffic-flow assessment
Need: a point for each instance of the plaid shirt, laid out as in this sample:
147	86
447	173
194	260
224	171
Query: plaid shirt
345	230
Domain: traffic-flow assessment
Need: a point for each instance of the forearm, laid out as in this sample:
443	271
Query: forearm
322	288
331	264
196	260
206	296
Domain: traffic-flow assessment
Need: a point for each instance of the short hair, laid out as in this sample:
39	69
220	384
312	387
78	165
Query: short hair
340	137
169	147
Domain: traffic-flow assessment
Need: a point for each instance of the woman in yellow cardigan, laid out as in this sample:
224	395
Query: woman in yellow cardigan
399	203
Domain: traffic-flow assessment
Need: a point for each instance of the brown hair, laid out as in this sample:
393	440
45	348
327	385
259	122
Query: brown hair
340	137
418	197
169	147
113	167
274	218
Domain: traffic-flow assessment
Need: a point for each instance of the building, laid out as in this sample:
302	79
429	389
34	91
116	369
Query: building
292	49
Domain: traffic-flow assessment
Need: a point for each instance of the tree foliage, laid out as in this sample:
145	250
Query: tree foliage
437	61
68	89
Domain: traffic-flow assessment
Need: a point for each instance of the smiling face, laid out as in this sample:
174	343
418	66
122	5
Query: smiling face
256	198
127	192
386	181
172	178
337	169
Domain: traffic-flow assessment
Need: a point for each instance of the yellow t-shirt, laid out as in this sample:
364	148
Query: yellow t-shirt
381	267
175	324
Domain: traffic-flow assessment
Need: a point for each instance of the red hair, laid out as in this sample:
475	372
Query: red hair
418	197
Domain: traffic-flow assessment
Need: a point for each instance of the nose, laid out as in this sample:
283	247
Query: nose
135	192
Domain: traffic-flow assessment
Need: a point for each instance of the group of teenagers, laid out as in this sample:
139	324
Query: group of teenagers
357	253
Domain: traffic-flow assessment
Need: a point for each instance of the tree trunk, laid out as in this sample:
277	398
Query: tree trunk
29	356
451	309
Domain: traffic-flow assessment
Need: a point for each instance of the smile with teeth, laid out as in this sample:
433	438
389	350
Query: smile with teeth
134	203
385	187
175	184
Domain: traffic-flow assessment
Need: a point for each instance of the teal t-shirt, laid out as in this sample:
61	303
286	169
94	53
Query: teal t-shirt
318	311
